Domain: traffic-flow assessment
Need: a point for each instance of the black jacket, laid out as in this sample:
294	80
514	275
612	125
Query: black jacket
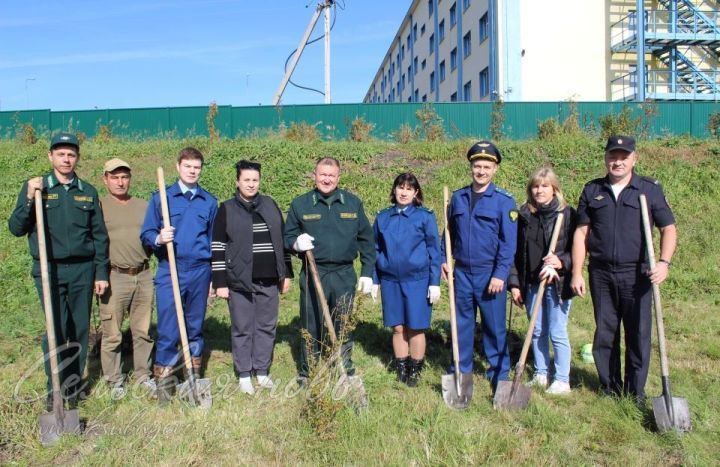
233	243
532	245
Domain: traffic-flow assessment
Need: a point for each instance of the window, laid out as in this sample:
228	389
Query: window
483	27
402	52
409	40
422	30
414	33
403	82
484	83
416	94
430	7
466	4
424	64
432	81
467	91
415	68
453	16
441	31
409	98
432	44
392	70
467	44
397	59
453	58
424	98
409	73
453	97
442	71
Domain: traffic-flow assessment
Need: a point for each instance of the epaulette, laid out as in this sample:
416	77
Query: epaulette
425	208
649	179
385	209
503	192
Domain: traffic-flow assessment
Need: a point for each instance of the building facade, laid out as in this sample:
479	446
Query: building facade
527	50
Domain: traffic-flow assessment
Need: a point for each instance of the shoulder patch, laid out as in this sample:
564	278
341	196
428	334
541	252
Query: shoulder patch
503	192
513	214
650	180
384	210
425	208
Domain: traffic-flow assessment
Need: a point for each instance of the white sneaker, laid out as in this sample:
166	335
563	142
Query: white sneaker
559	387
246	386
539	380
265	382
117	392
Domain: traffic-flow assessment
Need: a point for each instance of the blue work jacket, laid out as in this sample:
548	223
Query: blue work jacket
193	222
485	239
407	245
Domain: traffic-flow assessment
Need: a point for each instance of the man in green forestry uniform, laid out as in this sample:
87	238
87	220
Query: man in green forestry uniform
333	224
77	247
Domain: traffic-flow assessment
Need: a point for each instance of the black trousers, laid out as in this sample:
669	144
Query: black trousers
621	297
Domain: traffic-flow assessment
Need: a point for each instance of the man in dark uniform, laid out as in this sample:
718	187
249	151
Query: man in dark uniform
610	229
333	224
482	220
77	247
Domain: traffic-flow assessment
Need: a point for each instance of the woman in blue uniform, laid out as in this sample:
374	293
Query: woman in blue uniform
533	263
408	272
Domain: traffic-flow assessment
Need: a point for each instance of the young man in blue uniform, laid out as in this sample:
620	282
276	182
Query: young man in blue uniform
77	247
482	220
192	213
610	229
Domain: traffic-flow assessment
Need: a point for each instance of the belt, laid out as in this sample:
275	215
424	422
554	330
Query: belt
133	271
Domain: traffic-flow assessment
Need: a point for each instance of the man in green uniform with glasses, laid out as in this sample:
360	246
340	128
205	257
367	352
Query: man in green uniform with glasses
331	222
77	246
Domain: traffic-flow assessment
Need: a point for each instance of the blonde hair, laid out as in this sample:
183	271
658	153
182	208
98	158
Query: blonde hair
545	174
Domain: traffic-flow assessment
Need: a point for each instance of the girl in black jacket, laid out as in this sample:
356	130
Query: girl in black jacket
532	263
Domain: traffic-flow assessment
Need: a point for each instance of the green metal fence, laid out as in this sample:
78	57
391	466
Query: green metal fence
461	119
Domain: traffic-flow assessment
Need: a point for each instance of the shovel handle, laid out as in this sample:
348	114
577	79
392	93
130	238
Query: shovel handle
538	298
174	278
310	257
451	284
47	305
655	288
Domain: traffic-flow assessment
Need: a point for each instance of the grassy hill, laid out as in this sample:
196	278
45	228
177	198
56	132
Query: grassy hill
403	425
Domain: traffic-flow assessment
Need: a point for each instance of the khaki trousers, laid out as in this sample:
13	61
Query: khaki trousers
134	295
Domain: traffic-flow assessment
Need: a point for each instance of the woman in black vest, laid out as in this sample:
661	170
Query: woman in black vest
249	267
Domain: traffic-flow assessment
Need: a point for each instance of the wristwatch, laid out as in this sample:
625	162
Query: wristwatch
669	263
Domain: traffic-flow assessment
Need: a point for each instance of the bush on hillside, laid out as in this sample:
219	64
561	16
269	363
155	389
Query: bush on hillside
360	130
302	132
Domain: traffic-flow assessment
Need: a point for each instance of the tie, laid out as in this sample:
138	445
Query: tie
188	195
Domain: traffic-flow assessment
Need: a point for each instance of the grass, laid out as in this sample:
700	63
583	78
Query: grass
402	425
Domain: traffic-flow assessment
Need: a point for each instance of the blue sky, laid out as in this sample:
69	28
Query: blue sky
81	54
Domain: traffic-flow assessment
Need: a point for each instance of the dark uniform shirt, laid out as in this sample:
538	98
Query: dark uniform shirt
73	220
615	238
340	228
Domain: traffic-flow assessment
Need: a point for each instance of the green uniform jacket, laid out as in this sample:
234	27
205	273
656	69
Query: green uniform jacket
340	228
75	229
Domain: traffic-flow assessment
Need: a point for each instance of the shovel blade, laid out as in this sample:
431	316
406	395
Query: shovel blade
450	393
680	420
198	394
52	428
508	397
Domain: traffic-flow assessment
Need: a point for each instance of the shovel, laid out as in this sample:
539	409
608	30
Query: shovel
353	384
670	412
457	388
60	421
513	395
194	391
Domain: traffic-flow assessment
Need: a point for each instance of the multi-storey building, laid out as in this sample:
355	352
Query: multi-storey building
552	50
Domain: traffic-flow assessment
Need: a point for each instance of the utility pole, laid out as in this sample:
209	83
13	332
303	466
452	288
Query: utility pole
324	6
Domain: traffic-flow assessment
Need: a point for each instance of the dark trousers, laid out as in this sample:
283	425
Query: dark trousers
71	289
254	318
194	287
621	297
339	288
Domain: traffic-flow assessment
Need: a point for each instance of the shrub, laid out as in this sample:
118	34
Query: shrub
104	134
26	133
405	134
713	125
497	120
621	124
360	130
431	125
302	132
212	112
548	129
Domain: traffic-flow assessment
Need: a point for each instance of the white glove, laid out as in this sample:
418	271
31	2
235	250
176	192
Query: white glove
548	272
304	242
374	292
433	294
365	285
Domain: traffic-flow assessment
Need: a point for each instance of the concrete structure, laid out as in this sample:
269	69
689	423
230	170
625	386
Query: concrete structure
554	50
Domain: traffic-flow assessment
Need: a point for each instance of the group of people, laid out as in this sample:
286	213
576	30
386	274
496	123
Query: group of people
240	251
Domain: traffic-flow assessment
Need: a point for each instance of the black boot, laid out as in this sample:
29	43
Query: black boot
401	367
165	384
414	369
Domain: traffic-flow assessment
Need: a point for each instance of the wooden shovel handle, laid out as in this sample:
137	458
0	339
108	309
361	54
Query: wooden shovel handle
310	257
174	275
655	287
47	298
451	281
540	293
